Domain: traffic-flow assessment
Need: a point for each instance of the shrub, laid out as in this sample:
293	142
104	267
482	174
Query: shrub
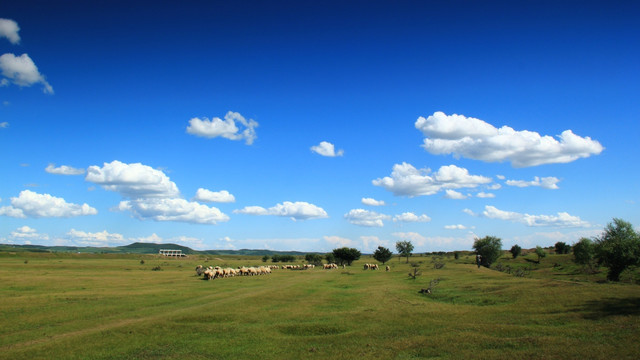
562	248
540	252
515	251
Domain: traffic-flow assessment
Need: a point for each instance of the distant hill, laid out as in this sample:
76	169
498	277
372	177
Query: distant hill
143	248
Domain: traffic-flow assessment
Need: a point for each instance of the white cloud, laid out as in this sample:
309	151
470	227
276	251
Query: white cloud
414	237
476	139
326	149
132	180
98	239
501	177
27	234
298	210
406	180
411	217
337	241
452	194
4	125
22	71
545	182
9	29
153	238
63	170
367	218
495	186
455	227
485	195
210	196
227	128
371	243
34	205
469	212
372	202
173	209
562	219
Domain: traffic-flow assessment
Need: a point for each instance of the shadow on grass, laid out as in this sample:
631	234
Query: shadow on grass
596	310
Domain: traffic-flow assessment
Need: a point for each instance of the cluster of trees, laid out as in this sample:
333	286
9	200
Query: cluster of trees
617	248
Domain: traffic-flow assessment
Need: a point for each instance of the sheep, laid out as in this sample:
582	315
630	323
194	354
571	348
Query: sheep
374	266
387	268
199	270
366	266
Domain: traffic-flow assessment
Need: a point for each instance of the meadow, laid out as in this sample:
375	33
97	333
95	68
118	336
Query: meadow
118	306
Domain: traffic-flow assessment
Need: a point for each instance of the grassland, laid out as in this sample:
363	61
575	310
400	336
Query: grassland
101	306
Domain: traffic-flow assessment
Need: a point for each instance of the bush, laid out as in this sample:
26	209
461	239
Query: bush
540	252
315	259
562	248
515	251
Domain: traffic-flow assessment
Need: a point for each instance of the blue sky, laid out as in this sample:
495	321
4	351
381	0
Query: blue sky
313	125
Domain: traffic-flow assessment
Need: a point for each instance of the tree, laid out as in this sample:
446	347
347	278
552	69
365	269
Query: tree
346	255
515	251
404	248
265	258
583	252
315	259
562	248
489	248
618	248
382	254
540	252
330	258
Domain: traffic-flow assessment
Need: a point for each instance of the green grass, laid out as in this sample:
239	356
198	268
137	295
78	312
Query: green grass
91	306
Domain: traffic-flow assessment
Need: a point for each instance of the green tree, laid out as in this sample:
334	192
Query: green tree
315	259
583	252
382	254
618	248
404	248
541	253
346	255
489	248
330	258
562	248
515	251
265	258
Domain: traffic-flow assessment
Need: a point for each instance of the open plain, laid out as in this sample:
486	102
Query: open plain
103	306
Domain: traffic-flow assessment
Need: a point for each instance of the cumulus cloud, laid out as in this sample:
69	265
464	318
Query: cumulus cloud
9	29
411	217
298	210
485	195
372	202
367	218
326	149
455	227
562	219
63	170
173	209
132	180
406	180
27	234
545	182
214	196
22	71
337	241
98	239
33	205
476	139
4	125
233	127
455	195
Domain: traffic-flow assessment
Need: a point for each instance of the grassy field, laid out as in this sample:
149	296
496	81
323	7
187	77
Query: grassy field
84	306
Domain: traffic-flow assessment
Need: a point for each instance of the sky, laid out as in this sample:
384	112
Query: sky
312	125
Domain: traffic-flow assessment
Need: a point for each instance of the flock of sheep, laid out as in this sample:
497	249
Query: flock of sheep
210	273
